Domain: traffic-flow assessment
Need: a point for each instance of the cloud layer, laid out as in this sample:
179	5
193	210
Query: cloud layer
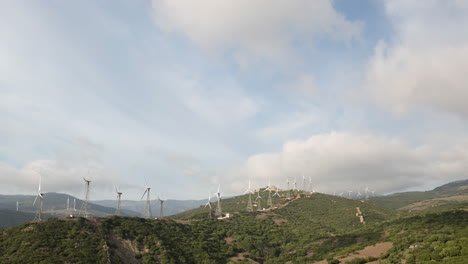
340	161
425	65
253	31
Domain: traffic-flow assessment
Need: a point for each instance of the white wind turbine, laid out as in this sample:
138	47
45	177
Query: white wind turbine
39	196
208	203
258	200
249	203
303	182
119	195
84	207
366	190
349	194
310	184
218	212
161	206
269	201
147	212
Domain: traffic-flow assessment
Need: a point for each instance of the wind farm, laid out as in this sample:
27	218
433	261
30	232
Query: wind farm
234	131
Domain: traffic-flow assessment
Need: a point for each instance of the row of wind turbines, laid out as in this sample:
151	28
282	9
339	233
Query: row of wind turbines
305	187
85	212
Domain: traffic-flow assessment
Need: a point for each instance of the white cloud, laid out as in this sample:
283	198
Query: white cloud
339	161
253	31
426	64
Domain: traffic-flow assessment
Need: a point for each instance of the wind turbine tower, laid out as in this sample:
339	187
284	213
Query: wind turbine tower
258	200
295	183
161	207
310	184
366	190
119	195
218	211
84	207
303	182
269	201
208	203
17	206
39	195
68	204
147	213
74	204
249	203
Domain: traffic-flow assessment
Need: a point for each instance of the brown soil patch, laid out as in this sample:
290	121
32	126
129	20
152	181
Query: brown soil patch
229	240
241	256
29	228
280	221
370	251
261	216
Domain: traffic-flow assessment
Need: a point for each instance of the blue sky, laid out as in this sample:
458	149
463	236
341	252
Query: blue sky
192	95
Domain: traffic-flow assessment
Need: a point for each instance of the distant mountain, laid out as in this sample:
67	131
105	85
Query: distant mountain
445	196
170	207
55	205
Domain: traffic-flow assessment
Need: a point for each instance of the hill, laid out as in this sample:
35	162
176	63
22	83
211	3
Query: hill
449	195
244	238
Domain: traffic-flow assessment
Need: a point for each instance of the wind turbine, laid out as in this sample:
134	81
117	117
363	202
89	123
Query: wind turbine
39	195
218	212
208	203
161	207
74	204
349	194
258	200
84	207
249	203
276	193
119	194
303	182
17	206
269	201
295	183
147	213
366	190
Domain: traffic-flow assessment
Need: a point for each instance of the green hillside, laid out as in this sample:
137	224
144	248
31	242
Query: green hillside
449	195
440	237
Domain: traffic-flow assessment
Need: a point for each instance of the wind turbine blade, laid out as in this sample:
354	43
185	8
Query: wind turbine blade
144	194
35	200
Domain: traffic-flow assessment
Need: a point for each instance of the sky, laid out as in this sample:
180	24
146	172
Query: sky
192	95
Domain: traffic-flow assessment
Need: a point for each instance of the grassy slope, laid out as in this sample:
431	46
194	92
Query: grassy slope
401	200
